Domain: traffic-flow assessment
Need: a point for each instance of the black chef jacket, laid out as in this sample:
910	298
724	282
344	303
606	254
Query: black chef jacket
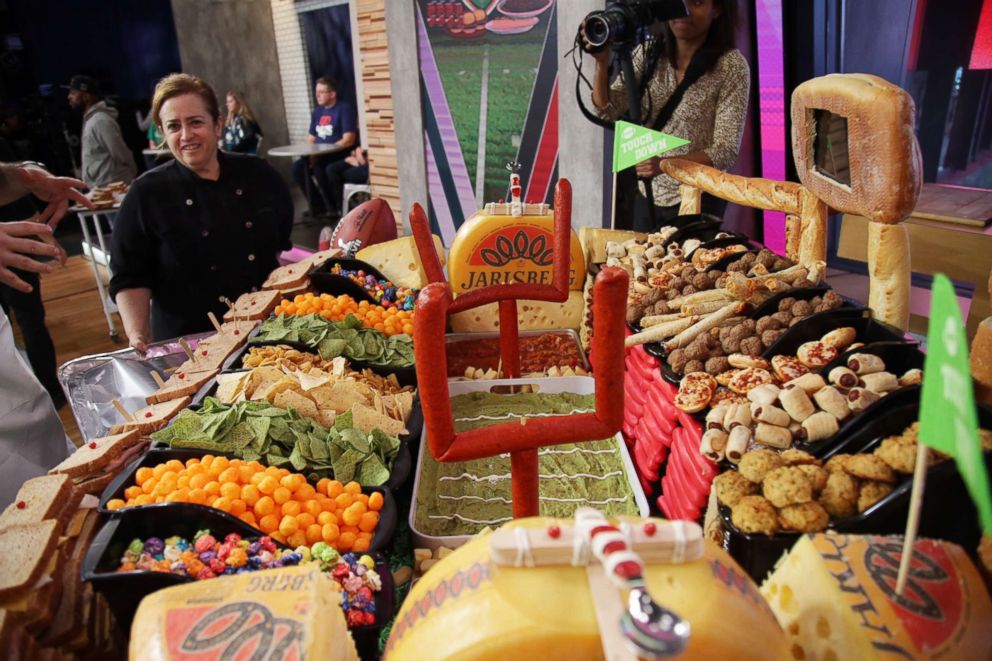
194	242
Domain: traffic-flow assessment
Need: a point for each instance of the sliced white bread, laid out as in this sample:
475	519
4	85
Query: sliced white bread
94	455
182	383
40	498
25	553
152	417
254	305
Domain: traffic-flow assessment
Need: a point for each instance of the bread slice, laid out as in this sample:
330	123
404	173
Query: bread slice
67	619
232	335
16	643
295	276
25	551
93	456
182	383
254	305
290	276
40	498
152	417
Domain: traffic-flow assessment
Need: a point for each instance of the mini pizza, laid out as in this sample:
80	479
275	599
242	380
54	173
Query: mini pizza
787	368
815	355
698	380
693	399
747	379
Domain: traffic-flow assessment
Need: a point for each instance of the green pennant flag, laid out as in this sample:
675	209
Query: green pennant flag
633	144
948	417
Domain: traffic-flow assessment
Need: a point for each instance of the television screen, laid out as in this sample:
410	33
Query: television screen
830	155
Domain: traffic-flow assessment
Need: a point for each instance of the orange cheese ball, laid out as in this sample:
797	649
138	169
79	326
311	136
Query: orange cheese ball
274	500
389	320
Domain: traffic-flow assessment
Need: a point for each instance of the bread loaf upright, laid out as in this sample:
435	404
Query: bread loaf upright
884	156
888	268
981	362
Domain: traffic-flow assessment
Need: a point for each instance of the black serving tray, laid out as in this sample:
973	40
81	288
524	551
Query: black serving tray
947	513
817	325
402	463
125	590
383	532
697	226
325	282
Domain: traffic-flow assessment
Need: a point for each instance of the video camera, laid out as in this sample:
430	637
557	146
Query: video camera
619	21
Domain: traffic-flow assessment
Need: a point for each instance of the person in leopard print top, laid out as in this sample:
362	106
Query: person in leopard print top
710	115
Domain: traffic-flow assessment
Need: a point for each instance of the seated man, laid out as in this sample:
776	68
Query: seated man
334	123
352	170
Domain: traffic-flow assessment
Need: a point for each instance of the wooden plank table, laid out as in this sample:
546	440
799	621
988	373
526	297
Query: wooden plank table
947	233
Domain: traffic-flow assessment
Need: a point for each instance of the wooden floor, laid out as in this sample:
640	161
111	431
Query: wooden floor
75	320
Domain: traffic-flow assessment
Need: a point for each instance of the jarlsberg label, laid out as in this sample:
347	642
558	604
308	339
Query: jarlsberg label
502	249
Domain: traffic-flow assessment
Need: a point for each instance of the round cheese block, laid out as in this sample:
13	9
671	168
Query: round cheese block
467	607
497	249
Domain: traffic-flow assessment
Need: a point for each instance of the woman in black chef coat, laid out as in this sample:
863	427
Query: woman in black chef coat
202	228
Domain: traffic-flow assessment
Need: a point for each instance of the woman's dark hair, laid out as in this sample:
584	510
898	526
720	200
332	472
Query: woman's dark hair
722	36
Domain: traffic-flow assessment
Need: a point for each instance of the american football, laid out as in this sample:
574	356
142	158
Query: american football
367	224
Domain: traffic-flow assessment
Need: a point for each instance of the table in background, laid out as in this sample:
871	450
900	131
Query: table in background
948	233
306	149
85	216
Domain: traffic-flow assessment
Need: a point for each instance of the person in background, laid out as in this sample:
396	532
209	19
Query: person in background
32	438
204	227
241	130
696	57
106	157
27	308
352	170
333	122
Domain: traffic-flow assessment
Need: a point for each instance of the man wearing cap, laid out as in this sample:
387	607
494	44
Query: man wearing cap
106	157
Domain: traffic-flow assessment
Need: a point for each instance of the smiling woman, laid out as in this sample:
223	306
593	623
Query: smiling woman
193	232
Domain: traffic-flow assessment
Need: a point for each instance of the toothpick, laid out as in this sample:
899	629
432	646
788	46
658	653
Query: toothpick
227	302
157	378
189	352
123	411
913	521
213	320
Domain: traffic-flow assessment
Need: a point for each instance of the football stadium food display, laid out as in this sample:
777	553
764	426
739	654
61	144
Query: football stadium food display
543	442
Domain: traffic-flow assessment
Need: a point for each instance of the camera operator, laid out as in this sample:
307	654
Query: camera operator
696	88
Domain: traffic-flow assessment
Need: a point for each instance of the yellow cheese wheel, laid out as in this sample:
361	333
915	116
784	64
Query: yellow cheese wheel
502	249
287	613
531	315
399	260
467	608
835	596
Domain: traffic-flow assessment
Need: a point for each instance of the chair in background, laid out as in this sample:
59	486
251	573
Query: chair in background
353	195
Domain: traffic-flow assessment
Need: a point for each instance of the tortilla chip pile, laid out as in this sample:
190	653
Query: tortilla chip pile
321	396
259	431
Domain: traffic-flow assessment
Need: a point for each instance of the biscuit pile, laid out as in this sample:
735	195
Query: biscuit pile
794	491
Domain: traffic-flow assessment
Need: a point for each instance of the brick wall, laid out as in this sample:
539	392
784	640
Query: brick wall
383	169
296	91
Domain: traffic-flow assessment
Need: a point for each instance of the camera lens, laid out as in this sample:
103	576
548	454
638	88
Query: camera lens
597	31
